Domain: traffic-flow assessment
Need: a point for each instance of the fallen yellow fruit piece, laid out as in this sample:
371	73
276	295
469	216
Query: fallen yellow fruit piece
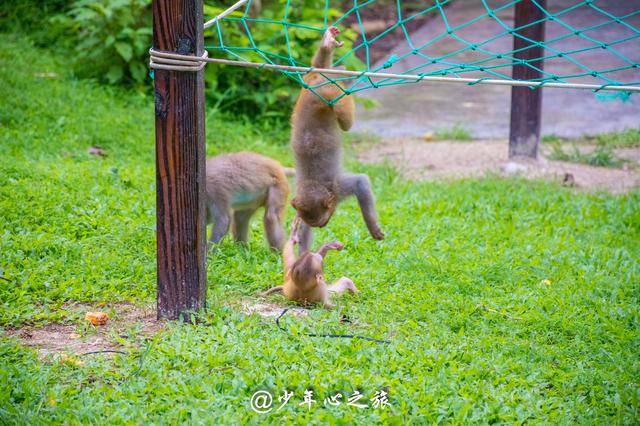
71	360
545	282
96	318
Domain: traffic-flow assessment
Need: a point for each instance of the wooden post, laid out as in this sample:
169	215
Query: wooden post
526	104
180	162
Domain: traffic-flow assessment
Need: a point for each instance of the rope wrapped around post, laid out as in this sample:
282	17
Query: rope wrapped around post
176	62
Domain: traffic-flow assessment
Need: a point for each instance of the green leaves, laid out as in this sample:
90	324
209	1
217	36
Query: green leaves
260	92
125	51
110	38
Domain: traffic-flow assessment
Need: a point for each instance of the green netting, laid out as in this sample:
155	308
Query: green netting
594	42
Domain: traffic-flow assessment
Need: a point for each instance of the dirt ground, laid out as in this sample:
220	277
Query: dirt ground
79	337
126	324
418	159
269	309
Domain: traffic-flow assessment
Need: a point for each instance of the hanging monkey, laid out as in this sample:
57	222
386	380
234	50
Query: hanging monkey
315	138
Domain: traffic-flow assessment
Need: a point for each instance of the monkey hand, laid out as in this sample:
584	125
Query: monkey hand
295	226
330	41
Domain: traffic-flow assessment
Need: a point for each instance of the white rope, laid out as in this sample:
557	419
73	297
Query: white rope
175	62
223	14
166	59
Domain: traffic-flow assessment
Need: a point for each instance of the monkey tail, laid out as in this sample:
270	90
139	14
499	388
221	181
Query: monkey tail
276	289
289	171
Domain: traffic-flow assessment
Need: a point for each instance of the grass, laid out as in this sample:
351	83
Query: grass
627	138
458	286
600	156
457	133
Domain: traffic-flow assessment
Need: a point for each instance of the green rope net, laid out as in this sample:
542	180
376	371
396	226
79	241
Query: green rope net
590	41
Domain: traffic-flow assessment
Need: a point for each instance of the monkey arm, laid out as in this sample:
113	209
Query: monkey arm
335	245
358	185
306	237
273	213
345	110
323	57
289	255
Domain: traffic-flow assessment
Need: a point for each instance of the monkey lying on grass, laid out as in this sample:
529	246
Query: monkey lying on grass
237	185
304	276
320	181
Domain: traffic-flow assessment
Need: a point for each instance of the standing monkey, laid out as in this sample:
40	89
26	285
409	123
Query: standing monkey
304	276
237	185
320	181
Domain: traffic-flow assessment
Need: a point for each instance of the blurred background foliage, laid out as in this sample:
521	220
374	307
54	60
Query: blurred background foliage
108	41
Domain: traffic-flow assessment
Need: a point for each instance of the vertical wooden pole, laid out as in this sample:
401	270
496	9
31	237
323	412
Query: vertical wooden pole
526	104
180	162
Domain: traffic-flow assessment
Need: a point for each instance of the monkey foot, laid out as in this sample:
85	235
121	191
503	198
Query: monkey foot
377	234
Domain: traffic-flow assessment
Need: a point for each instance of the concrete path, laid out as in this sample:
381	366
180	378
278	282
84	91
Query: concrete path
413	109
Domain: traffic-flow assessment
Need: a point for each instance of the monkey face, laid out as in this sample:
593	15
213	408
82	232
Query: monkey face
316	208
316	219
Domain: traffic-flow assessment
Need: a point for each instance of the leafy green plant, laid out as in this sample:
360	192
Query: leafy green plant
26	16
109	38
264	92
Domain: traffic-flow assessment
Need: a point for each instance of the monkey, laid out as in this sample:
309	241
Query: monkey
320	181
237	185
255	8
304	281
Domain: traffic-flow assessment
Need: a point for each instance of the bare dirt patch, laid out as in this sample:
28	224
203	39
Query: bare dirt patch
420	160
269	310
125	321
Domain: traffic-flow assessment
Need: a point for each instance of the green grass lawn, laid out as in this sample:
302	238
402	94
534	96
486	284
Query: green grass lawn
457	287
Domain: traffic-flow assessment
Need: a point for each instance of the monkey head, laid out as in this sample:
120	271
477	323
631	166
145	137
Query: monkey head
315	204
307	271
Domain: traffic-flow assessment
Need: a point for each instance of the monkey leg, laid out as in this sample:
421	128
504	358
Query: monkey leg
305	236
339	287
359	185
342	285
241	221
273	213
221	219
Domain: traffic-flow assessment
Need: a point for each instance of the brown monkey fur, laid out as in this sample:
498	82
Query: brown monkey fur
304	281
237	185
316	141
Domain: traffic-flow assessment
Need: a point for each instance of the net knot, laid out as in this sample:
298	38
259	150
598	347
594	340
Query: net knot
389	63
